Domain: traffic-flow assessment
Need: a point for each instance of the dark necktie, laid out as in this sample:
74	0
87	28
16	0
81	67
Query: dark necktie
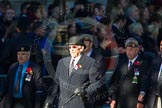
71	66
130	65
17	87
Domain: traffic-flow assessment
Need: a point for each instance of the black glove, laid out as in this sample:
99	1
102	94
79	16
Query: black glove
82	93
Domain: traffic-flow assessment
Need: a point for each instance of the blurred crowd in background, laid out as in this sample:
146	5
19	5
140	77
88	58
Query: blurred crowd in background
38	27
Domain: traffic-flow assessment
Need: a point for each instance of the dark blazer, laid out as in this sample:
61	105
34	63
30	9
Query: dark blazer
31	90
126	92
79	77
120	36
99	99
129	21
153	82
100	60
148	43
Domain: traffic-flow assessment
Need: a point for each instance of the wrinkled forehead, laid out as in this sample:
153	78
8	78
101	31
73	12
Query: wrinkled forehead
23	52
74	45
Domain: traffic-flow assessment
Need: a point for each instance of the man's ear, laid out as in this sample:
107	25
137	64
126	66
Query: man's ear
138	49
82	48
29	54
91	44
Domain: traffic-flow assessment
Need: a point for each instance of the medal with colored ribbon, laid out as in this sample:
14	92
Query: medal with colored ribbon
136	73
135	80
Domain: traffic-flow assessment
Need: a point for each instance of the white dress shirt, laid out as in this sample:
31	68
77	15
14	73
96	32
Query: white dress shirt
76	60
132	61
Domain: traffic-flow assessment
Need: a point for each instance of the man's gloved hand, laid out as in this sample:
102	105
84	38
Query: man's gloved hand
81	92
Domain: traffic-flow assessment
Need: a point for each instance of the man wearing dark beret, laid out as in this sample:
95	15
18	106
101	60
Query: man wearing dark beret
130	78
75	76
24	82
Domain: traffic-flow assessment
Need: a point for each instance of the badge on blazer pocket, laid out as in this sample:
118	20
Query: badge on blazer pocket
28	77
136	72
135	80
29	73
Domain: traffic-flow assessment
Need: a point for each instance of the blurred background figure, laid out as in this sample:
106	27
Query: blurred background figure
101	68
98	11
132	14
154	99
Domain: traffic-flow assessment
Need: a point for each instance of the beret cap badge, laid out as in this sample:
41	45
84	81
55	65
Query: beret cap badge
131	42
22	48
133	45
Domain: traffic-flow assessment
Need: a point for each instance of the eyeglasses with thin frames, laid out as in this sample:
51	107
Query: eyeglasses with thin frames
72	47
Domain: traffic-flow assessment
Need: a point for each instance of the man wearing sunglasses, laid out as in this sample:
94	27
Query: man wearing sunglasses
76	76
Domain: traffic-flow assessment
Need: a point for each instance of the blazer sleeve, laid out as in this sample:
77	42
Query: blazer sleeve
117	79
93	80
93	73
38	87
144	77
114	84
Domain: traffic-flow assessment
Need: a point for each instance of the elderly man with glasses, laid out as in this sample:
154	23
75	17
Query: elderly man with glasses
76	76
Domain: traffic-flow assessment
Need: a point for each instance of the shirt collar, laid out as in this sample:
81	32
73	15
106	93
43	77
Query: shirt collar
25	64
133	59
76	59
116	26
134	21
89	53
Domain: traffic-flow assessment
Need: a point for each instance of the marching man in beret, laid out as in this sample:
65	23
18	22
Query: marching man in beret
24	82
130	79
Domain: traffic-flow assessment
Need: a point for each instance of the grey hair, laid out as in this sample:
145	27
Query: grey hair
129	10
131	40
133	27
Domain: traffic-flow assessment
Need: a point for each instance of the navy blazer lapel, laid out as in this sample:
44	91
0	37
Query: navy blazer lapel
158	64
127	65
93	54
25	75
14	70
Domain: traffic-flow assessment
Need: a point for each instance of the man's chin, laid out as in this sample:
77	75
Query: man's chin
21	62
73	56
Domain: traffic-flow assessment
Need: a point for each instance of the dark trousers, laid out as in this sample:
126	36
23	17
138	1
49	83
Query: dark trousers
18	103
127	102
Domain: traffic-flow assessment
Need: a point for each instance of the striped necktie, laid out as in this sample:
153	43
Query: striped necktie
130	65
71	67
